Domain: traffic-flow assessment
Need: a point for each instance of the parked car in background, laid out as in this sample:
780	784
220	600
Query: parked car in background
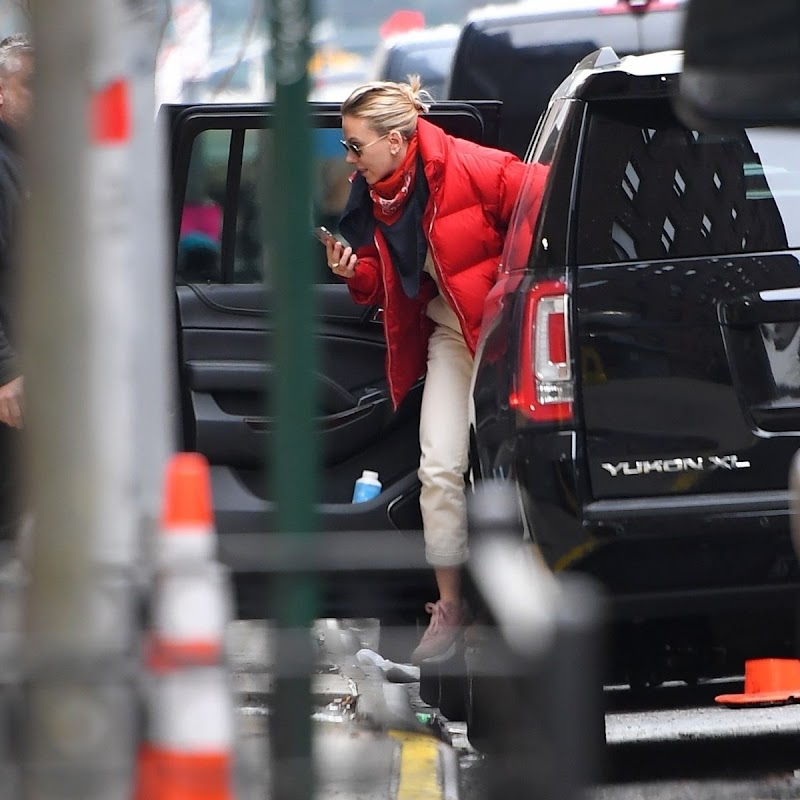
638	372
357	29
520	53
426	52
238	75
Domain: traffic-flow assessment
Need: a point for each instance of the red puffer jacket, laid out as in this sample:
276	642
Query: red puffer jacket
472	194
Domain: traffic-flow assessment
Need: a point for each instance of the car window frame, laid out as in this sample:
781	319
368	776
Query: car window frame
191	124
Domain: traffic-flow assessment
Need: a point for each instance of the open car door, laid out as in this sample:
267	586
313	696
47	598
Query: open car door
220	160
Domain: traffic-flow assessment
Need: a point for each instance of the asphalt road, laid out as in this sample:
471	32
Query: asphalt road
676	743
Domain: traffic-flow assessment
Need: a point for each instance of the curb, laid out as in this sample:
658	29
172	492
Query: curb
426	766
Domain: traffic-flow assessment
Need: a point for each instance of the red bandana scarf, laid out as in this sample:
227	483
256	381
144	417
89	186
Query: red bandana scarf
390	194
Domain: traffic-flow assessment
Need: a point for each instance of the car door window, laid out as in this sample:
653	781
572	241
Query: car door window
519	242
651	189
224	225
200	235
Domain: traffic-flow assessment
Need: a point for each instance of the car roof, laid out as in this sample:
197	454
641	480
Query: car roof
664	62
604	72
528	10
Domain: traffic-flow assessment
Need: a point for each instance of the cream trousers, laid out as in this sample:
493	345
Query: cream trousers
444	441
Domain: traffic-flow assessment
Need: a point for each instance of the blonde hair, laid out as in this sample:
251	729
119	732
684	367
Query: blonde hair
388	106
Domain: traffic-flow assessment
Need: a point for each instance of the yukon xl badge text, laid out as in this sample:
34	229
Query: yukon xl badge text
695	464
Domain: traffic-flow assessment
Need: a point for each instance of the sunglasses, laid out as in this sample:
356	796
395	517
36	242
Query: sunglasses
358	149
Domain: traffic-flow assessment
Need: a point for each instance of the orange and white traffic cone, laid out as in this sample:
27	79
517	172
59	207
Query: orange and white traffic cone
189	753
192	593
189	748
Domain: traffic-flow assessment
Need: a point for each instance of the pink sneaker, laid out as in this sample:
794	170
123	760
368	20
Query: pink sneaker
443	631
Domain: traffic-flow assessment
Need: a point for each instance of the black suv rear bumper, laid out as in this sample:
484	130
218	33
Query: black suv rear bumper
658	557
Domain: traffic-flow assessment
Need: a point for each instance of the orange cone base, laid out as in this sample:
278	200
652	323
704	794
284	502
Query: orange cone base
754	701
167	775
767	682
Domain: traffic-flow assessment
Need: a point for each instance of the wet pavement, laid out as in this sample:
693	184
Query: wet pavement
368	743
674	742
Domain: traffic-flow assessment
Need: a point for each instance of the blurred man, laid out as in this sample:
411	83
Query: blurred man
16	75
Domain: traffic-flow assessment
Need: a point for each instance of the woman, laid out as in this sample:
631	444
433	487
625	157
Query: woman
426	218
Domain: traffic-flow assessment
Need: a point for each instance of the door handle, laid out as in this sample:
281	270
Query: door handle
374	314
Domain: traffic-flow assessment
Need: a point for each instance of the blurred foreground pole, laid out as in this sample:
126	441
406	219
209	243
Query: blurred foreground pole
155	359
293	454
82	265
537	688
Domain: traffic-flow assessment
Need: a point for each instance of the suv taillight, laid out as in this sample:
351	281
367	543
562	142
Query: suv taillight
545	386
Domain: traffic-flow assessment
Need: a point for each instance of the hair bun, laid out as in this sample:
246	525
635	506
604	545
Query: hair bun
420	98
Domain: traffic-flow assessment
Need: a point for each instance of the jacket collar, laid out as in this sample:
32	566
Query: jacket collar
433	146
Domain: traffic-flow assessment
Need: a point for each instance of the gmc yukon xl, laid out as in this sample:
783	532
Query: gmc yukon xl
638	374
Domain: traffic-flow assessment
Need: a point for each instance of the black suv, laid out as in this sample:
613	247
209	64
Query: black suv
638	373
520	53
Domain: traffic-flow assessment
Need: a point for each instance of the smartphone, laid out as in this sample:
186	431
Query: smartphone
325	236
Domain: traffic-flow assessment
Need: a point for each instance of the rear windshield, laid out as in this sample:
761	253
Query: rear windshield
652	189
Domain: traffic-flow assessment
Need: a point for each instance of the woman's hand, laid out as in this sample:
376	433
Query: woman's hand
342	260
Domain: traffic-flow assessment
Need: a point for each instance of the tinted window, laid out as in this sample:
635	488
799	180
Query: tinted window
519	242
652	189
224	242
200	238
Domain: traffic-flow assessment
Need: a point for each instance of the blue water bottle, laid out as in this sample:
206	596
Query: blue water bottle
367	487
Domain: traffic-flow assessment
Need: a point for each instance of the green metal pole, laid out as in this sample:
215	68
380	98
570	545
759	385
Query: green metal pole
293	458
